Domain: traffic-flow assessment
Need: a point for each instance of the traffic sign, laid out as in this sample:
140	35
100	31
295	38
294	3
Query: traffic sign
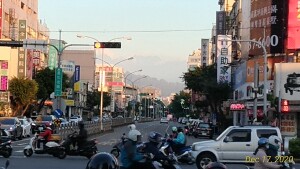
58	82
41	45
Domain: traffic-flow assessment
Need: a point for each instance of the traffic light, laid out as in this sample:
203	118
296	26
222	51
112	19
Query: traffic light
11	43
107	44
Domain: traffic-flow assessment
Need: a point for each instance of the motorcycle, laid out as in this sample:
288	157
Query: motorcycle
6	149
117	147
50	147
183	155
88	150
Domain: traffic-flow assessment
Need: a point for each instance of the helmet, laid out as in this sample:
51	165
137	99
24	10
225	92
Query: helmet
274	140
174	129
263	142
80	124
134	135
48	126
179	129
215	165
102	161
154	137
132	126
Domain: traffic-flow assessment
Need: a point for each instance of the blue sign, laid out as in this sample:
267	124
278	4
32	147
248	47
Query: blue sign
77	73
58	113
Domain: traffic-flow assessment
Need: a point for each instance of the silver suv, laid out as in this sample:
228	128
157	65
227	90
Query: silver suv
232	146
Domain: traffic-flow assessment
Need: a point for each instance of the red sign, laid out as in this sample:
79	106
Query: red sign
237	106
114	84
0	18
36	58
260	112
293	41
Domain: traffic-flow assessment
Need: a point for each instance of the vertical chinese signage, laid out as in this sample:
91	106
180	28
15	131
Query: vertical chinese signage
0	18
293	41
77	78
266	22
58	82
220	22
204	52
3	75
224	58
21	51
29	63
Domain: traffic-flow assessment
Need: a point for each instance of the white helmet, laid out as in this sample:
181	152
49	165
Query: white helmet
274	140
132	126
134	135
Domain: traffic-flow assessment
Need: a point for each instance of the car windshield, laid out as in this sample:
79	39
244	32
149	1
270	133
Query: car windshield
22	121
203	125
222	134
7	121
46	118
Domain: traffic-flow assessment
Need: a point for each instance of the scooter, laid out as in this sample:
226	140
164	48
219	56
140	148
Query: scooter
88	150
50	147
117	147
183	155
6	149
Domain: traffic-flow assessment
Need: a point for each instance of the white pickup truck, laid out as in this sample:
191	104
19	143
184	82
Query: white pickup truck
233	145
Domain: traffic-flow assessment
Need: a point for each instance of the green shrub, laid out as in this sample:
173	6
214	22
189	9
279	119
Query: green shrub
294	147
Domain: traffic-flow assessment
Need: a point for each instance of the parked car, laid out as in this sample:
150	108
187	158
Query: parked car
233	145
63	121
13	125
26	127
184	120
95	119
164	120
203	130
5	135
75	119
292	83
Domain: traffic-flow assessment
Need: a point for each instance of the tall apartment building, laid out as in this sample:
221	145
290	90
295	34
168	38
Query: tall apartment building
18	21
194	60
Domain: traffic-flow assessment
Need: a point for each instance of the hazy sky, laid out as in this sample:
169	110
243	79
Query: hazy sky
163	32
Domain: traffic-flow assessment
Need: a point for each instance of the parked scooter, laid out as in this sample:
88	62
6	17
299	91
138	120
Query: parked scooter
6	149
50	147
88	150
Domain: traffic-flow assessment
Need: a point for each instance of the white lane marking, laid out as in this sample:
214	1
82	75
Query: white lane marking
22	144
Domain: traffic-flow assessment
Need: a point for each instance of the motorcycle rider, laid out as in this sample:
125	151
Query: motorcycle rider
174	132
45	136
103	161
130	157
82	136
260	154
274	145
179	141
154	139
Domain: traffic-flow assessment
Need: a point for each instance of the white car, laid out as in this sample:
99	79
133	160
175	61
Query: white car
75	119
26	127
164	120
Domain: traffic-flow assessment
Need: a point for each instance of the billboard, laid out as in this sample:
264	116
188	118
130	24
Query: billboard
266	23
21	51
287	80
3	75
240	75
29	63
204	51
293	25
224	58
220	22
0	18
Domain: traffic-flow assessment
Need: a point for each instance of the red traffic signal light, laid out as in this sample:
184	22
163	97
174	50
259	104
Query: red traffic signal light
107	44
284	106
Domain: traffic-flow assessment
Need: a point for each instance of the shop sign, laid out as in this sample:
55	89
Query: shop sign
237	106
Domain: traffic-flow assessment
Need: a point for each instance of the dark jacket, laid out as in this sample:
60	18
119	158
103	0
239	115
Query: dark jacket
272	151
153	149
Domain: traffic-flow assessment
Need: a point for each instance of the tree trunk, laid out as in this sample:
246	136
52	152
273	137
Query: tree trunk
24	111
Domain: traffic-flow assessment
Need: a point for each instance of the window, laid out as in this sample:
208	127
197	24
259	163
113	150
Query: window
266	133
238	135
22	5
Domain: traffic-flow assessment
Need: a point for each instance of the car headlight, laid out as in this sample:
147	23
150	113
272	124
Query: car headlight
11	128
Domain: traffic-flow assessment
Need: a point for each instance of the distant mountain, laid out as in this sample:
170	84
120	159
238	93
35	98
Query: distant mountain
166	87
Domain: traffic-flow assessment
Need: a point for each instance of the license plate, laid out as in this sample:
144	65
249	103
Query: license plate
204	134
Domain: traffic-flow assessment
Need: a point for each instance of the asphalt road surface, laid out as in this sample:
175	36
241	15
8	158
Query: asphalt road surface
106	141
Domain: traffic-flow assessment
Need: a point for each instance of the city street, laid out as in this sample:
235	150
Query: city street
106	141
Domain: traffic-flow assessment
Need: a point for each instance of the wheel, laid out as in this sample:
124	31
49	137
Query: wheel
7	154
115	152
61	154
204	159
28	152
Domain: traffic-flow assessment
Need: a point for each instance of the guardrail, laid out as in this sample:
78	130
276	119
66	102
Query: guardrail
94	127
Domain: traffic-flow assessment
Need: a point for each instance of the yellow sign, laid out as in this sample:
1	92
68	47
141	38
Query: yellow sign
77	86
69	102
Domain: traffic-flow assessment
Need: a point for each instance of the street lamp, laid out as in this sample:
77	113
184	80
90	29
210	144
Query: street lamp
125	87
112	75
102	74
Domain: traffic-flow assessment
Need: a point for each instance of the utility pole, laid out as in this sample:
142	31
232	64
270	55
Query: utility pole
255	90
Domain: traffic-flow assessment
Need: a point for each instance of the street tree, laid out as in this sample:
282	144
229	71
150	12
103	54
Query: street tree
46	79
93	100
180	104
23	91
203	80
